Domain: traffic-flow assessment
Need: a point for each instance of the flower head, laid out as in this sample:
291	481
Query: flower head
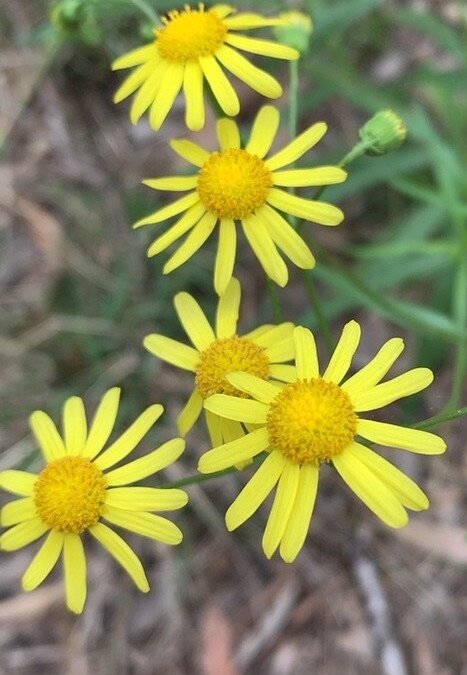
193	45
295	30
219	351
315	419
239	184
76	492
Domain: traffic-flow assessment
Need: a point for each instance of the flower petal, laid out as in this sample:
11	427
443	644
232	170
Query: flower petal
190	151
296	148
394	436
194	321
195	239
411	382
173	209
123	554
22	534
265	249
246	20
255	491
403	487
272	335
146	498
283	373
227	310
185	223
190	413
193	90
286	238
221	88
18	511
228	134
213	423
254	77
235	452
376	369
300	516
374	493
74	563
146	524
171	83
281	508
130	438
306	355
131	83
148	91
74	425
171	351
103	423
320	175
264	131
343	353
262	47
172	183
225	257
146	466
239	409
44	561
316	211
259	389
18	482
135	57
47	436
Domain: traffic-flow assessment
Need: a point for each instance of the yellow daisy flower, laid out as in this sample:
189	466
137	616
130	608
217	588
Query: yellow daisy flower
315	419
76	491
237	184
193	45
218	351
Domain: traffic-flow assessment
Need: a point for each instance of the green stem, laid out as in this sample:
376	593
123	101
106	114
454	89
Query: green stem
275	301
293	98
320	316
441	419
357	151
147	10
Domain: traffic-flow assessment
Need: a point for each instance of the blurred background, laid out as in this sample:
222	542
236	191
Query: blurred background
77	296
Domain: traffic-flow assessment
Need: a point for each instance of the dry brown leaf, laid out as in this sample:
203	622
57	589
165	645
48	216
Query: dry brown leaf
216	644
30	606
443	541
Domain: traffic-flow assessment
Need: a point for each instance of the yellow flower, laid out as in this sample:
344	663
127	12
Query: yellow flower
238	184
192	45
75	491
315	419
216	352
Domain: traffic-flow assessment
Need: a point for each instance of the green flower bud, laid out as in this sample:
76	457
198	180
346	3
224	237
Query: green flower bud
295	30
383	133
68	15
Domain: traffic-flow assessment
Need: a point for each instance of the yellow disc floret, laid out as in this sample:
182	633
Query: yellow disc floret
311	421
234	183
69	494
229	355
188	35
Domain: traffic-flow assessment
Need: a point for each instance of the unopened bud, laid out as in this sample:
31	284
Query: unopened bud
383	133
295	30
68	15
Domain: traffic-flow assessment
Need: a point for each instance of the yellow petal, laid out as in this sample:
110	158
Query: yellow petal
123	554
147	465
18	482
195	239
103	423
404	385
190	151
221	88
193	90
130	438
370	489
321	175
225	256
281	508
318	212
272	335
228	134
246	20
286	238
74	563
227	310
222	10
146	498
74	425
235	452
47	436
190	413
213	423
135	57
254	77
343	353
300	516
185	223
376	369
283	373
18	511
296	148
147	93
394	436
171	351
264	131
173	209
259	389
44	561
133	81
255	491
265	250
262	47
306	355
22	534
146	524
240	409
194	321
172	183
170	86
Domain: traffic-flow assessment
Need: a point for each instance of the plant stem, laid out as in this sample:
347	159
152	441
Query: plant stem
147	10
275	301
320	316
441	419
